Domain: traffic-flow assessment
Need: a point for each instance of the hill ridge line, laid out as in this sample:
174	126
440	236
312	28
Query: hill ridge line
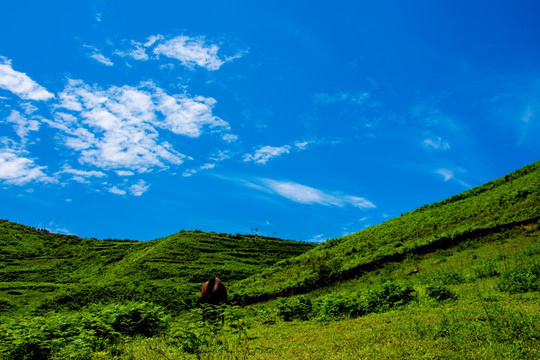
443	242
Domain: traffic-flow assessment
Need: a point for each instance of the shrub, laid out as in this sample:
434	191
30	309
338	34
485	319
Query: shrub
440	293
340	305
296	308
389	295
73	335
521	279
77	334
131	319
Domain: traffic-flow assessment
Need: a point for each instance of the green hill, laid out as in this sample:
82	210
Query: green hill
500	204
41	270
459	279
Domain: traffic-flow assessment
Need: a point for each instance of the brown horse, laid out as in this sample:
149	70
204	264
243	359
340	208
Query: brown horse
213	292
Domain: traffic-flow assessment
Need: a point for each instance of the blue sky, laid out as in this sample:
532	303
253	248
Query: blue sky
305	120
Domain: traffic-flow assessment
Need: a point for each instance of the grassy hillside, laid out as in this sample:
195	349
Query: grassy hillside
459	279
495	206
41	270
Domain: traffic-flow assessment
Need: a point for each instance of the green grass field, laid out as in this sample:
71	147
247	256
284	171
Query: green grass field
459	279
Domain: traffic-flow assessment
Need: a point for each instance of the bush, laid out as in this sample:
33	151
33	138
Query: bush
296	308
73	335
77	334
440	293
389	295
131	319
341	305
520	280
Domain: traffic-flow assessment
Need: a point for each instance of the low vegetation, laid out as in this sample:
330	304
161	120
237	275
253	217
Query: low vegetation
455	280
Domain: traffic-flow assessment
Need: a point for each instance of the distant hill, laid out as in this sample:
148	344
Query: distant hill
41	270
497	205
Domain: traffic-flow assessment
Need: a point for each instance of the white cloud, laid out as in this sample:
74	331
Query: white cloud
98	56
190	52
137	51
192	172
82	173
21	84
22	125
19	170
436	143
317	239
230	138
186	116
222	155
448	175
125	173
265	153
117	128
445	173
307	195
102	59
139	188
302	145
152	39
117	191
358	98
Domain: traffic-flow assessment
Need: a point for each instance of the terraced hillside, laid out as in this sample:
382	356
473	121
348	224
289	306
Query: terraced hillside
40	270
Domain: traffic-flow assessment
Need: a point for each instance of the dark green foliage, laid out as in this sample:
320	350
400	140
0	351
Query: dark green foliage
132	319
341	305
295	308
78	334
5	305
487	269
334	306
389	295
521	279
440	293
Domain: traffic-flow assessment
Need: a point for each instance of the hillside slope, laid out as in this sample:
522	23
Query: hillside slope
39	269
503	203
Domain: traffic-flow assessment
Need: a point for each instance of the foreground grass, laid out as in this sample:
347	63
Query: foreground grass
470	330
484	320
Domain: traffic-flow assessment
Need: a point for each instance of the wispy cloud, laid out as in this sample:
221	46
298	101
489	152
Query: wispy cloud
449	175
354	98
308	195
436	143
264	153
117	191
22	124
214	160
16	168
191	52
139	188
95	54
136	50
21	84
81	176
